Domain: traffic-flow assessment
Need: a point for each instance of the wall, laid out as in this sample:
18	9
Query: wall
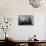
13	8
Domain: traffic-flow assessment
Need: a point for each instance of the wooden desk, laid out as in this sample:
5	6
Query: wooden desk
31	43
28	43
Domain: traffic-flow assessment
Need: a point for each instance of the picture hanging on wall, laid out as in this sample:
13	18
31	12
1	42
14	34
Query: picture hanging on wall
36	3
25	20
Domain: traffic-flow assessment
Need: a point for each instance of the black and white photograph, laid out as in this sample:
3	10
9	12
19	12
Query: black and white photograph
25	20
36	3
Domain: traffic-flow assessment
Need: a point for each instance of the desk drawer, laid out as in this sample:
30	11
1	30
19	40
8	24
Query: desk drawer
42	44
21	44
25	44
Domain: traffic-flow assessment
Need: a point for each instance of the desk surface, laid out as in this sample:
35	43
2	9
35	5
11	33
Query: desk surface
30	41
26	41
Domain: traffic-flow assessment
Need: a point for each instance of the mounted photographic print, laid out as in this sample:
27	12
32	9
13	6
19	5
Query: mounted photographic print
25	20
36	3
